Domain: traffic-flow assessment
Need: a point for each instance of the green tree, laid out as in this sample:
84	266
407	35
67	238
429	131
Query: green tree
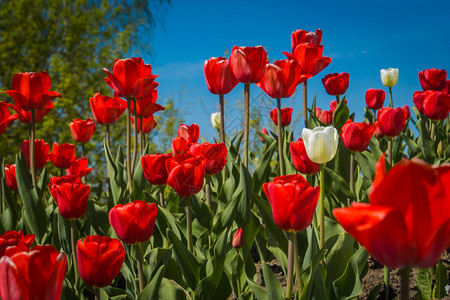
72	40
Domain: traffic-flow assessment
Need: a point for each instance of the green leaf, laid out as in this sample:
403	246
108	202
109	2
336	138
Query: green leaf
151	291
273	286
441	281
339	182
262	169
340	115
116	175
425	143
367	162
424	282
189	266
374	292
349	285
10	215
259	292
315	286
245	188
169	289
340	251
35	217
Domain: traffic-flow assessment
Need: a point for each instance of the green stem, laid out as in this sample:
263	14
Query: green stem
135	139
390	151
432	130
352	173
32	148
208	190
73	229
321	206
290	272
130	179
386	282
82	150
141	140
391	104
1	184
161	196
96	293
139	262
222	118
305	102
246	121
280	139
337	99
404	283
298	273
189	225
108	140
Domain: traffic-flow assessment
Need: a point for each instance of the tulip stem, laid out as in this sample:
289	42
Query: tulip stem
208	191
386	282
290	265
298	273
246	121
391	104
189	224
404	283
73	229
321	206
135	140
32	148
390	152
280	139
139	267
305	102
108	140
130	188
432	130
222	118
337	99
82	150
161	196
96	293
352	173
141	140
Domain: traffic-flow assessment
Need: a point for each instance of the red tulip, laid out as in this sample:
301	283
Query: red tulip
148	124
99	259
336	84
300	158
324	116
377	132
248	63
71	196
434	105
281	78
220	80
31	90
146	106
264	131
215	156
154	168
187	135
301	36
406	111
186	174
106	110
40	153
10	177
446	88
131	78
433	79
62	156
238	239
82	130
391	121
286	114
15	238
133	222
5	117
25	116
293	201
310	58
333	105
35	274
79	167
356	136
407	223
375	98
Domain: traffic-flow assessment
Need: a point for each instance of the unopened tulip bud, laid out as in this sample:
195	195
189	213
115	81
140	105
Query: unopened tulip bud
238	239
389	77
215	120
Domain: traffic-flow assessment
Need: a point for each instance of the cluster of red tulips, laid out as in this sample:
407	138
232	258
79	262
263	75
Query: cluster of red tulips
399	210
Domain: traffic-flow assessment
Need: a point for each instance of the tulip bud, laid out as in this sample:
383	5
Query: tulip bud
215	120
264	130
389	77
321	143
238	239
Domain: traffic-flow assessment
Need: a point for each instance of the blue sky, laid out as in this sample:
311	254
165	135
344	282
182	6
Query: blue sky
361	37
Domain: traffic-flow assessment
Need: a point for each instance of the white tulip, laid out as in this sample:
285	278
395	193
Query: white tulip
389	77
215	120
321	143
